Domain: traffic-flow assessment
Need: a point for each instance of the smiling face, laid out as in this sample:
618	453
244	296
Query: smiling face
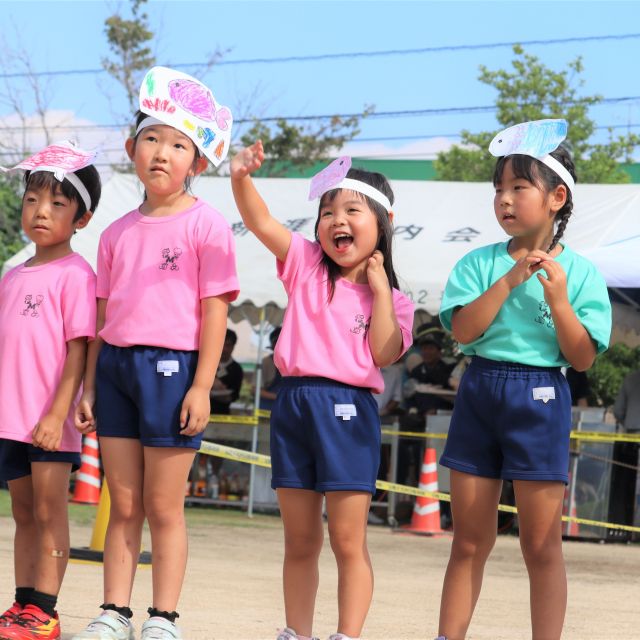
523	209
164	158
348	233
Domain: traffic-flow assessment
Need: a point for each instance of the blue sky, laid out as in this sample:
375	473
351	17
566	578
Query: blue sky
65	36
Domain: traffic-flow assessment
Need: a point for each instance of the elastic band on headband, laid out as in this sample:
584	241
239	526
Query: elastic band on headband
560	169
364	188
75	181
149	121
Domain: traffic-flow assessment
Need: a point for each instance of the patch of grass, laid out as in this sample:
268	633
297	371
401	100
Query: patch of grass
198	516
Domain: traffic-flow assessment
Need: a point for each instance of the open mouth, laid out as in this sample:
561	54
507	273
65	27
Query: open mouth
342	241
508	216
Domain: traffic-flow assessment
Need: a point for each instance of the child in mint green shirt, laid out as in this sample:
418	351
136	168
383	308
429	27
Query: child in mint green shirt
521	309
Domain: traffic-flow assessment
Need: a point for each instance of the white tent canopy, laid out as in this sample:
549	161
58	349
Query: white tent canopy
436	224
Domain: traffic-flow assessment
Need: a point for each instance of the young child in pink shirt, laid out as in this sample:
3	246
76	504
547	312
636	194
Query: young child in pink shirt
47	313
166	274
345	319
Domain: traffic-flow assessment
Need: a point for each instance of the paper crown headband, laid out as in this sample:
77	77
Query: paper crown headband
537	139
62	159
180	101
333	177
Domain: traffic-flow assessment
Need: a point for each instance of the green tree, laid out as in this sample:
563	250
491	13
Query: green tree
608	372
11	238
287	145
532	91
129	41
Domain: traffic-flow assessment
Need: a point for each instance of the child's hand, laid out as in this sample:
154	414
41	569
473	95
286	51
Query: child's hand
48	433
555	284
84	420
247	160
376	274
196	409
526	267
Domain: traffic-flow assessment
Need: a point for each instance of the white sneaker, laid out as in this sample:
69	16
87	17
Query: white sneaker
109	625
289	634
341	636
159	628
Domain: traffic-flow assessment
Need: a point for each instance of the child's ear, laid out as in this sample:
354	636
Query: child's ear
558	198
200	165
130	147
390	214
83	220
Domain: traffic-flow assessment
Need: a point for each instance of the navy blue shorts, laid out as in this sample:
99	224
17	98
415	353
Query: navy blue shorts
325	436
510	421
16	458
135	399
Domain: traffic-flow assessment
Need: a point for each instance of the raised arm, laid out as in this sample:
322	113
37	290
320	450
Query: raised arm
253	209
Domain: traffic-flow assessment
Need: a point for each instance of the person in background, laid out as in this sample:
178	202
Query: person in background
228	380
578	386
431	372
270	375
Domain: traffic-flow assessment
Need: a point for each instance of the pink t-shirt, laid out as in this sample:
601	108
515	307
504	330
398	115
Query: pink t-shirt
41	309
154	272
330	340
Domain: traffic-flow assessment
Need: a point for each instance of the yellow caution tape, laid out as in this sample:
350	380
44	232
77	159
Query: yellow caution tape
239	455
226	419
588	436
231	453
601	436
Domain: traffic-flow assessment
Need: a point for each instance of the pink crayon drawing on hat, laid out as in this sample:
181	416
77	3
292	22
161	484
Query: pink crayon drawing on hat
329	177
62	157
198	100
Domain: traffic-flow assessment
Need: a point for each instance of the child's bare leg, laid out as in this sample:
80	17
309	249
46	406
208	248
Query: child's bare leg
50	507
165	474
539	517
124	468
347	512
26	535
474	502
301	512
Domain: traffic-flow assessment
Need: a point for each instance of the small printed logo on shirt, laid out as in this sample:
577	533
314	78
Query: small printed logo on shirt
170	260
361	326
545	316
31	306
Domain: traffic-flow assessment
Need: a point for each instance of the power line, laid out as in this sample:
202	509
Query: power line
376	114
349	54
426	136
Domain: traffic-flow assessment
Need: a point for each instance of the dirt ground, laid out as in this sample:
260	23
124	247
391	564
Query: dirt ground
232	589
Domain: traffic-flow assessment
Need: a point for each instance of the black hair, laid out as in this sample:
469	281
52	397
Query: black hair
535	172
274	335
231	335
379	182
89	177
139	117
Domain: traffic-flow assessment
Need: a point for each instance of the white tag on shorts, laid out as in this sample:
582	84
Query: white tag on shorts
544	393
345	411
167	367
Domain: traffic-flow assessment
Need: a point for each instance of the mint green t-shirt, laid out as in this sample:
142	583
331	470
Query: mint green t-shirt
523	330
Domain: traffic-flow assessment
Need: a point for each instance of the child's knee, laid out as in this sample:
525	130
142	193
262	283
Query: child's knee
472	546
303	545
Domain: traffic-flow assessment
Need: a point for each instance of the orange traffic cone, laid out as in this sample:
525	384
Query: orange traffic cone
87	489
571	529
426	511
